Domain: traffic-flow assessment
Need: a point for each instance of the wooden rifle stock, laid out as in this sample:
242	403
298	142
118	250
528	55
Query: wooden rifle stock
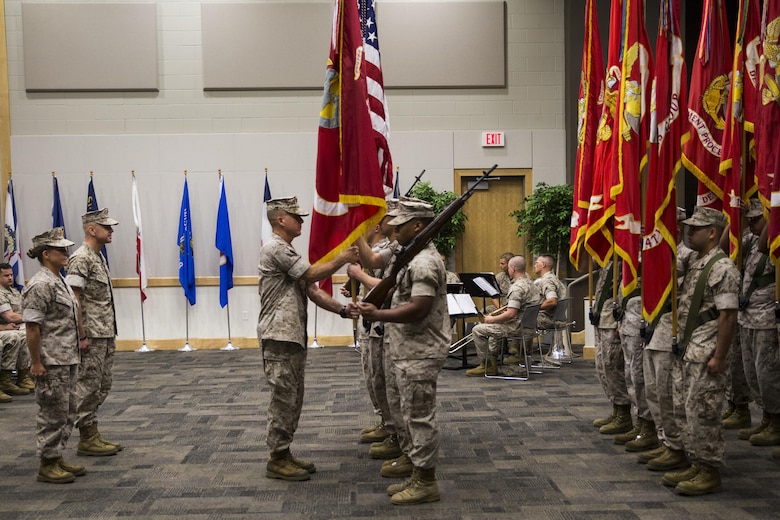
379	293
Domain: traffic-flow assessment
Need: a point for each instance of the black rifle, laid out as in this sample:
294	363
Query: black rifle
379	293
416	180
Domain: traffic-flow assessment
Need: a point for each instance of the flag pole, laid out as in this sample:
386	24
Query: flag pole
143	348
186	347
314	343
229	345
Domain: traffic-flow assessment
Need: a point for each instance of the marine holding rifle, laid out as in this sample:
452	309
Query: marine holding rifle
417	335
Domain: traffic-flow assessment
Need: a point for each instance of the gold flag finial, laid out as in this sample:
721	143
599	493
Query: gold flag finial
90	174
185	173
52	173
132	172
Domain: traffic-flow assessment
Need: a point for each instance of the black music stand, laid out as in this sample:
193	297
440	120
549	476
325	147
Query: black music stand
460	306
481	285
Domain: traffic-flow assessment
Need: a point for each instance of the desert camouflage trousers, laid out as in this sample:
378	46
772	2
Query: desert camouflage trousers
610	366
737	387
57	403
373	359
487	337
10	345
23	359
284	364
96	374
411	390
761	358
658	370
633	348
699	399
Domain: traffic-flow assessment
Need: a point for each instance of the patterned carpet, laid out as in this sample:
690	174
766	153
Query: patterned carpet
194	429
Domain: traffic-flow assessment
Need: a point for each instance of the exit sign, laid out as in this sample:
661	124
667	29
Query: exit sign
492	139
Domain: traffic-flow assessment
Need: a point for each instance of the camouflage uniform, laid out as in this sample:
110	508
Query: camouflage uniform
549	286
659	363
417	352
50	303
758	333
10	345
522	293
633	347
610	365
373	356
697	392
11	300
281	329
87	271
503	284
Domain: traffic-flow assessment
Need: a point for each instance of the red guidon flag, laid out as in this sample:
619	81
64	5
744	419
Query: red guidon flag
350	197
707	103
667	130
768	118
738	175
589	106
633	123
598	234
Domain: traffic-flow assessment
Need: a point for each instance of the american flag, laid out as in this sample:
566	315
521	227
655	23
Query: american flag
376	90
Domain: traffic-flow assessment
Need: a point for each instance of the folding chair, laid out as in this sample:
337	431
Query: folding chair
560	351
527	333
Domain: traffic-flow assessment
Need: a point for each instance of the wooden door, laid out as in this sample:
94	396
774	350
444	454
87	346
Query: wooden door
490	231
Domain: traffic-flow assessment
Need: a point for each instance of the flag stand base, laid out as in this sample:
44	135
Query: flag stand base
144	348
187	348
229	346
314	344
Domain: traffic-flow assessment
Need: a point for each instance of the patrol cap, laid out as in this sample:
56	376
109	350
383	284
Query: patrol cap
703	216
392	207
410	209
755	209
288	204
99	216
52	238
681	214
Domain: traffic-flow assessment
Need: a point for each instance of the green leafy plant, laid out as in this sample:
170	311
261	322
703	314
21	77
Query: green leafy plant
445	240
544	219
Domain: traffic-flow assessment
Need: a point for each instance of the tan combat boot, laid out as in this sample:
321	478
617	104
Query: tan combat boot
776	453
5	398
77	471
671	459
598	423
303	463
392	489
107	442
646	440
644	458
769	436
746	433
397	468
706	481
377	434
477	371
23	379
387	449
621	423
421	490
7	386
50	471
674	478
491	366
281	465
739	418
728	411
90	444
630	435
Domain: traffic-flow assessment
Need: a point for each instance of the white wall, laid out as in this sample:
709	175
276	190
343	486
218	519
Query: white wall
241	133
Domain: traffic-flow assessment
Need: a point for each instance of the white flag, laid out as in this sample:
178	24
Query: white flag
140	263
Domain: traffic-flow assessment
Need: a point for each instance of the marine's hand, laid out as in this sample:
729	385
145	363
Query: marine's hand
352	310
350	255
37	370
368	311
353	270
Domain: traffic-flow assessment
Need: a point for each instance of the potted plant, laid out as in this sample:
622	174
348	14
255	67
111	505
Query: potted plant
445	240
544	220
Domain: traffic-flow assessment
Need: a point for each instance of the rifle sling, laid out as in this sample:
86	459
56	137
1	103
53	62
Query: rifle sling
696	320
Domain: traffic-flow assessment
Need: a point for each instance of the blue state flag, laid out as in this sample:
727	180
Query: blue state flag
57	220
186	257
92	205
396	189
265	227
225	246
11	254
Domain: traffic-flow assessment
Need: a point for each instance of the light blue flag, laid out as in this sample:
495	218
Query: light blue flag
225	246
92	205
186	257
11	254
